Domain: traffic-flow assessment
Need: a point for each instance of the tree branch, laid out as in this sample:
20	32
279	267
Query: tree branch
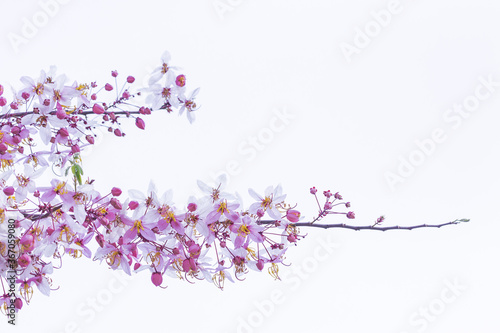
368	227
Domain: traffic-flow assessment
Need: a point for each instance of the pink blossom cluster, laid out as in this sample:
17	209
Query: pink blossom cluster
45	126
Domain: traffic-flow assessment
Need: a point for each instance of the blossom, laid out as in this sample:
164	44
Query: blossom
268	203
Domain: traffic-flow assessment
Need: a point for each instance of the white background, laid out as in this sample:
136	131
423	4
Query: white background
353	122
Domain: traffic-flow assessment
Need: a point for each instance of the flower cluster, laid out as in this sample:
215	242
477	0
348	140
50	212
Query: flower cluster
47	123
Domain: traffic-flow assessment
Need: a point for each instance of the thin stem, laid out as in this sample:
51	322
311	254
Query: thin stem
366	227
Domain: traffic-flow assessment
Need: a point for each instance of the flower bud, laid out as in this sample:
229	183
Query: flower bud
97	109
350	215
338	196
115	203
156	278
61	114
3	101
13	106
63	132
313	190
260	264
114	73
117	132
100	240
90	139
3	148
93	97
176	251
293	215
136	266
108	87
133	205
192	207
115	191
15	130
75	149
18	303
140	123
25	95
46	102
130	79
292	238
8	191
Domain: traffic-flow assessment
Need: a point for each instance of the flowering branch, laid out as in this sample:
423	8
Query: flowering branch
212	238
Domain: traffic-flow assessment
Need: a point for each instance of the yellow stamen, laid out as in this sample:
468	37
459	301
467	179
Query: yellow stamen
218	279
273	271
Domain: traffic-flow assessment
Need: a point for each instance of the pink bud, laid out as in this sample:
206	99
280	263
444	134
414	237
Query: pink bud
260	212
176	251
293	215
1	90
327	194
3	101
156	278
292	238
8	191
24	260
20	149
75	149
63	132
114	73
18	303
313	190
186	265
348	204
46	102
50	230
98	109
147	111
126	94
90	139
13	106
100	240
25	95
260	264
136	266
180	80
130	79
16	139
115	191
338	196
133	205
115	203
93	97
350	215
117	132
108	87
223	244
140	123
192	207
15	130
61	114
3	148
328	205
194	249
